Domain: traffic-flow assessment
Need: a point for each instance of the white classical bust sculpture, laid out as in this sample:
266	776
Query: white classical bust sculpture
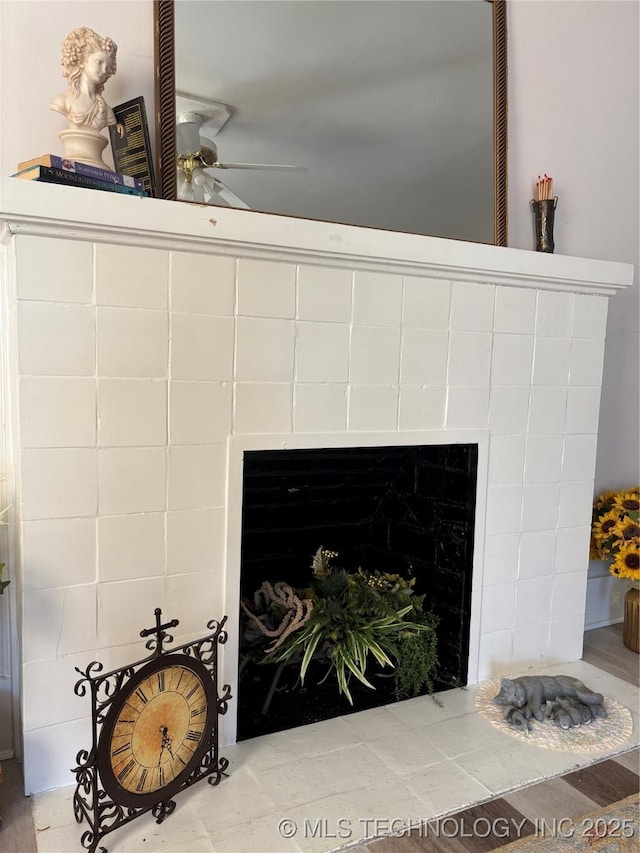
88	61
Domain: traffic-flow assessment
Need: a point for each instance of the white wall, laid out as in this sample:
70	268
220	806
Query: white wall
573	113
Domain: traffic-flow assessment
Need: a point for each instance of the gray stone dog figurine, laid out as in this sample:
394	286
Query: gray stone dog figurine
563	699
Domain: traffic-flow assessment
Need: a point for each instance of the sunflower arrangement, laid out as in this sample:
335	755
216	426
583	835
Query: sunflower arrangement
615	532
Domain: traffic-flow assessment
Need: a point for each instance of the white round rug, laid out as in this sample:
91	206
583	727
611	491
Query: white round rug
601	733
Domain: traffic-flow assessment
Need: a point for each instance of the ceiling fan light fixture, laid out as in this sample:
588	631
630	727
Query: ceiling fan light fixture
188	135
197	185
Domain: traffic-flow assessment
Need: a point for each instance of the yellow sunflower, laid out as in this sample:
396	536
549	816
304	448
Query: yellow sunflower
627	561
626	529
627	501
603	526
605	499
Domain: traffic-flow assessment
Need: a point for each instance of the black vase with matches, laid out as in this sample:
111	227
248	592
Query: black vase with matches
544	205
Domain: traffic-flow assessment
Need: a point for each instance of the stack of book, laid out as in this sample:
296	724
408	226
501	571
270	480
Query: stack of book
57	170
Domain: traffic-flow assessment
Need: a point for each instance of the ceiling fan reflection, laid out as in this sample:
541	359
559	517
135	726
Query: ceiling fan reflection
197	155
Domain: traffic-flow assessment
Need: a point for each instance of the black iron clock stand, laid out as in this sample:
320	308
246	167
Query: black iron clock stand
107	810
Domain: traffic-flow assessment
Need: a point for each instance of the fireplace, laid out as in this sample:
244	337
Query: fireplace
149	348
407	510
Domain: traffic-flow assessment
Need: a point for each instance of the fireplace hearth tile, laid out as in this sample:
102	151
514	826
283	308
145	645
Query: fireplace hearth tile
408	750
333	772
328	823
374	723
445	787
326	736
457	702
509	767
256	836
460	735
384	802
242	798
422	710
268	751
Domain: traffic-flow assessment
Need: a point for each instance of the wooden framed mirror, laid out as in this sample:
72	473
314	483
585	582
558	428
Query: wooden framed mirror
429	185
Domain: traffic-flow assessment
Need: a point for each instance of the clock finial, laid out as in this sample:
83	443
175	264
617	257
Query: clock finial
160	632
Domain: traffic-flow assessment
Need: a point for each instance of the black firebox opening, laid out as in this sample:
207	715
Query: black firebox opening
407	510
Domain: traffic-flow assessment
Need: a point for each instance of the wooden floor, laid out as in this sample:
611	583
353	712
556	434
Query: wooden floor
570	796
604	648
17	833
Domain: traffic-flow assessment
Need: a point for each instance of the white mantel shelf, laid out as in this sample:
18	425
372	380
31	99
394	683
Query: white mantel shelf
65	212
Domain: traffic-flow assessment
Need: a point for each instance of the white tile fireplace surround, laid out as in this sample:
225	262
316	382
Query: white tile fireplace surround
147	344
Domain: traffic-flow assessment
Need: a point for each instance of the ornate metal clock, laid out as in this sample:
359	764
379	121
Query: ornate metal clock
155	731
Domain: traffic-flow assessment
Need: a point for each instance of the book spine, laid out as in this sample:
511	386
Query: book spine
93	172
51	175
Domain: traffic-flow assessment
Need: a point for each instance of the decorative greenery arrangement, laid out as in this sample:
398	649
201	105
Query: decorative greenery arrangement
615	532
348	620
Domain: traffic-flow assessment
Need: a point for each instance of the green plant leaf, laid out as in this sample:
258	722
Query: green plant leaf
309	652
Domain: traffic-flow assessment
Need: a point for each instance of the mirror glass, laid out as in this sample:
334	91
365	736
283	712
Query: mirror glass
387	107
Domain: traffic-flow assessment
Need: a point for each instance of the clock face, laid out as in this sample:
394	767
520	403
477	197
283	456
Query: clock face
156	730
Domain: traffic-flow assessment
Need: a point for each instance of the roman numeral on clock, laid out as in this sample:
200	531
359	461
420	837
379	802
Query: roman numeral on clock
125	748
141	696
142	780
193	690
161	775
197	711
161	681
128	767
192	734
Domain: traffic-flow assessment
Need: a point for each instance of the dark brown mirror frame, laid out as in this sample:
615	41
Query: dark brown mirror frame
165	93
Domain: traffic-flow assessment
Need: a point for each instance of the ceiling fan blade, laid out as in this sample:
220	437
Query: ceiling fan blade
262	166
